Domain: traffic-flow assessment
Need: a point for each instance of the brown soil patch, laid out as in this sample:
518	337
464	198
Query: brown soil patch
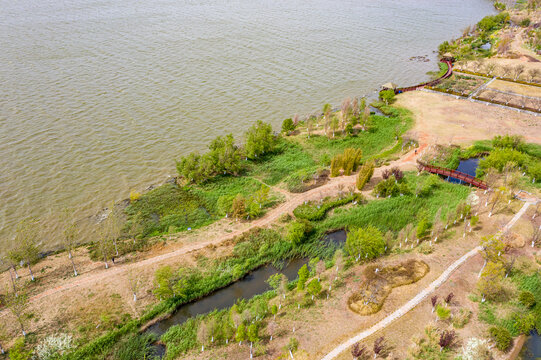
516	88
445	119
378	284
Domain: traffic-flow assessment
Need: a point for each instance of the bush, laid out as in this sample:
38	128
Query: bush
259	140
477	350
18	352
349	161
314	210
54	346
367	242
297	232
365	174
527	299
288	125
443	312
524	323
391	187
501	336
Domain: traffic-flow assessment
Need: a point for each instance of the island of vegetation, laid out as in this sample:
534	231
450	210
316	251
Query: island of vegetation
327	239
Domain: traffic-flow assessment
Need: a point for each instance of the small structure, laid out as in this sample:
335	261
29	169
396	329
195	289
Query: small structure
448	57
389	86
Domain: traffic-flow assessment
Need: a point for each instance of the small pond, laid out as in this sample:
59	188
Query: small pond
532	348
245	288
468	166
337	237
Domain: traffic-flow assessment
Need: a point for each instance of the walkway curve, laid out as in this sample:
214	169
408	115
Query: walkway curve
418	298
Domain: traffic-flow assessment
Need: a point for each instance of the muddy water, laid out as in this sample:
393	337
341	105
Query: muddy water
99	97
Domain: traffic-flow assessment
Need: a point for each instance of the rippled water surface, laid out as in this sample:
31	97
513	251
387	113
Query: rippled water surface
98	97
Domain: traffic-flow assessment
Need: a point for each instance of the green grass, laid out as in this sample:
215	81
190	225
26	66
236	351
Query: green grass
289	158
381	135
169	208
395	213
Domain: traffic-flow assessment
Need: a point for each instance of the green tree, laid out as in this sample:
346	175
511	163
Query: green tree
366	242
334	124
274	310
297	231
288	126
26	239
16	303
70	233
422	228
365	174
163	283
387	96
490	284
312	264
303	277
253	332
225	155
259	140
238	208
275	280
240	336
314	288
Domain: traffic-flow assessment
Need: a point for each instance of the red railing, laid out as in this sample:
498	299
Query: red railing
430	83
454	174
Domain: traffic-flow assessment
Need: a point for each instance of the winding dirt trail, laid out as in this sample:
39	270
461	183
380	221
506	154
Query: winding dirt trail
419	297
407	161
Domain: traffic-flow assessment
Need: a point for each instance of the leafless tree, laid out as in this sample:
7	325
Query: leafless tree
309	125
490	67
533	74
134	282
70	233
517	71
506	70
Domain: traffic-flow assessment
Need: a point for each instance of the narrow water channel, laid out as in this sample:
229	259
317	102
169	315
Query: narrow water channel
532	348
252	284
468	166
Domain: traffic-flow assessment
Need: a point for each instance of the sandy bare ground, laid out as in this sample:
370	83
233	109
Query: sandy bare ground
444	119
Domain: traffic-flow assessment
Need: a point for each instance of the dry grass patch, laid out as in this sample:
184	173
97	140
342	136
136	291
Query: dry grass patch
378	284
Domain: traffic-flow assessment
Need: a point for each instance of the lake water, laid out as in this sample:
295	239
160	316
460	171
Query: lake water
99	97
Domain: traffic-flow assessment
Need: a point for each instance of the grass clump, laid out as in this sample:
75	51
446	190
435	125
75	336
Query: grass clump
316	210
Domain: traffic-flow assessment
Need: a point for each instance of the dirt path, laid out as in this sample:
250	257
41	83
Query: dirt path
408	160
419	297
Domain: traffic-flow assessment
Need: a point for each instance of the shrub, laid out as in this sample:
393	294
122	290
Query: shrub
365	174
524	323
525	22
303	277
314	210
387	96
349	161
288	125
367	242
259	140
292	345
18	351
134	195
443	312
422	228
501	336
391	187
297	231
527	299
52	347
461	319
477	350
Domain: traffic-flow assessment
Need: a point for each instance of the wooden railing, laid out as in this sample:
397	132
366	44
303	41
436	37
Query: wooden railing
454	174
